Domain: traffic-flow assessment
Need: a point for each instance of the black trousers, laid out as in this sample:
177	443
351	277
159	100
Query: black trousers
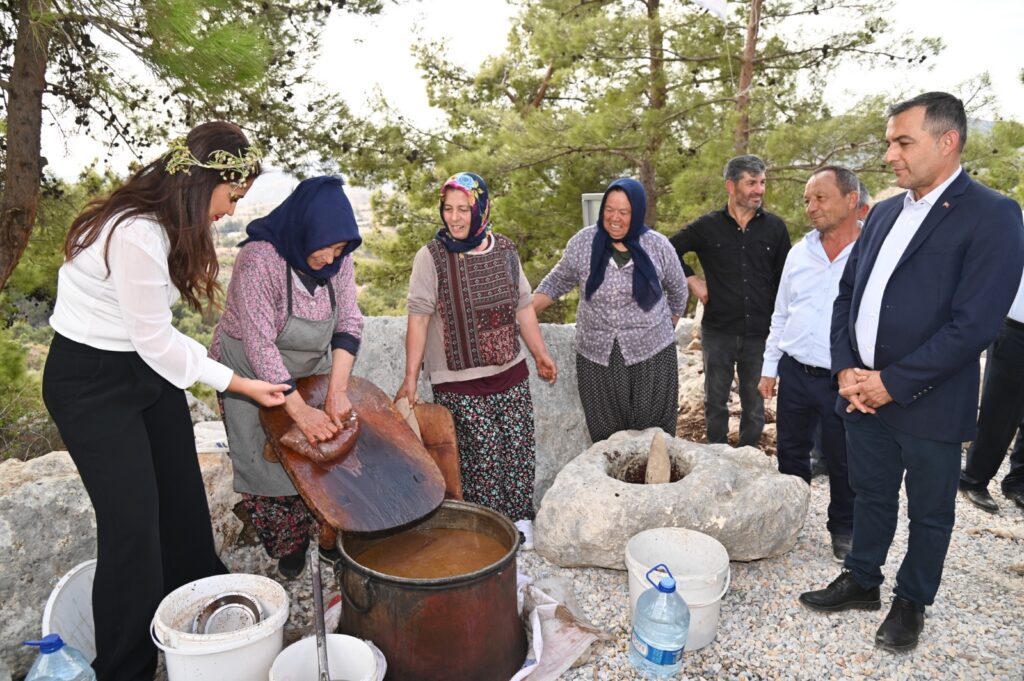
882	458
807	400
619	397
1002	409
129	433
726	356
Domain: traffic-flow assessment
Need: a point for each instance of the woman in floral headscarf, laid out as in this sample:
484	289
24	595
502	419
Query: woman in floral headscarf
469	302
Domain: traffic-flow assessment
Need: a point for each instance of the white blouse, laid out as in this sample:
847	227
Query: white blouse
130	310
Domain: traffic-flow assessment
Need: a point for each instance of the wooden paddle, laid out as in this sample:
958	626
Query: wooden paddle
388	479
437	430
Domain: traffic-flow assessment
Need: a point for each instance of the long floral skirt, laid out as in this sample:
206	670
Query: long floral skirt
283	524
497	451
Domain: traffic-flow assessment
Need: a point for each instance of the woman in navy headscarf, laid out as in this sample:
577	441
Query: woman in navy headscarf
469	304
291	312
633	291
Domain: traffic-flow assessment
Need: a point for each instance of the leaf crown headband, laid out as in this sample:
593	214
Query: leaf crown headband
234	169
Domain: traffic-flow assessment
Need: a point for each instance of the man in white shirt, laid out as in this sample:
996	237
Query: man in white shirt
1002	409
797	351
927	285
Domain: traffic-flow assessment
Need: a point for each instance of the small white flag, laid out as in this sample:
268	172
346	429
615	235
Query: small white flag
716	7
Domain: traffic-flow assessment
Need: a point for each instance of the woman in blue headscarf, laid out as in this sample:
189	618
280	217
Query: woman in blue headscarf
633	292
291	312
469	303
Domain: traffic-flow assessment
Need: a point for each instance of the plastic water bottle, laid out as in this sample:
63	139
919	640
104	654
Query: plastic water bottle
660	625
58	661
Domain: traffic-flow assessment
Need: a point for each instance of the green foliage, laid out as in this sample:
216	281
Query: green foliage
25	427
35	277
587	92
241	60
198	326
202	47
996	157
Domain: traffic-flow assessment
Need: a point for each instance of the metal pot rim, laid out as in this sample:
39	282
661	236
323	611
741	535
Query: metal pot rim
349	563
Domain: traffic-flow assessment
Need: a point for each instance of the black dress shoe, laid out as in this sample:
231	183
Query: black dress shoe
980	498
901	628
331	556
1016	496
841	545
844	593
292	565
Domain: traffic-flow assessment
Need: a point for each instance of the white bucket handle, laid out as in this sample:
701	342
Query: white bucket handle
728	579
232	645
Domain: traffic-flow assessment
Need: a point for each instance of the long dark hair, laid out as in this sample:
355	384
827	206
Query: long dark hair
179	202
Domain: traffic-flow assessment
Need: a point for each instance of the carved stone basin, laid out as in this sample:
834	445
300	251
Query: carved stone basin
737	496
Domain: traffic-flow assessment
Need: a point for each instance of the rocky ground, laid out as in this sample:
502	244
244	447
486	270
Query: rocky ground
975	630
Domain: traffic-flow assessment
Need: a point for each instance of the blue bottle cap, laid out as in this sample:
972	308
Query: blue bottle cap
47	644
667	585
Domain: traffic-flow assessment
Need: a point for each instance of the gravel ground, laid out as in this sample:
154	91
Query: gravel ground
975	630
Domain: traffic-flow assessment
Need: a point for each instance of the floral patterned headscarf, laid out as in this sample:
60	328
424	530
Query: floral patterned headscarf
473	186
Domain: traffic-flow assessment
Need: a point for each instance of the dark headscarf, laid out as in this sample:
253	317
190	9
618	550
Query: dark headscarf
646	287
315	215
473	186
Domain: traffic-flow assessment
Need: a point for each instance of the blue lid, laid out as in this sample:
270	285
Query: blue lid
667	585
47	644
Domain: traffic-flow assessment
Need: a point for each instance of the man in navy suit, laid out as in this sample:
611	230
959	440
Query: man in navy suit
924	292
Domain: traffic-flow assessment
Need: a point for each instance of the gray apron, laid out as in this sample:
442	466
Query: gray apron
305	348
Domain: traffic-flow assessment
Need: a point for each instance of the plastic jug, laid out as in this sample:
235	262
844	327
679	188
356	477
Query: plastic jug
660	625
58	661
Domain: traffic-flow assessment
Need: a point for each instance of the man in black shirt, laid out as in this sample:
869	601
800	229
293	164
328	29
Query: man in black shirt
742	249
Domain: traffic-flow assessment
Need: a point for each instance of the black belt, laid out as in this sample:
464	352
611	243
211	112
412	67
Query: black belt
811	371
1014	324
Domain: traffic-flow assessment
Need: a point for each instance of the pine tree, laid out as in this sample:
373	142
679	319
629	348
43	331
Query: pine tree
240	60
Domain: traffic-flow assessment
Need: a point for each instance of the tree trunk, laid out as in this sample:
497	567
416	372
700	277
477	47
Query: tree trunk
742	139
658	97
24	125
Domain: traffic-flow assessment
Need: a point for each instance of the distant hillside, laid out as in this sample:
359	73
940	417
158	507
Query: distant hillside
273	186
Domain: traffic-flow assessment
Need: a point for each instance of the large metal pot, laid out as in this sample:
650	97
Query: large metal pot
462	628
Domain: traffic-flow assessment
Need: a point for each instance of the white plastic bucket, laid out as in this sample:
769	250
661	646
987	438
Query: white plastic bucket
700	566
241	655
68	610
348	658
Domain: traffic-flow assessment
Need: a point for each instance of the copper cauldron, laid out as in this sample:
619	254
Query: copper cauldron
461	628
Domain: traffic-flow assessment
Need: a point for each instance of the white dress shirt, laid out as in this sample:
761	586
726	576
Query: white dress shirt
1016	312
896	241
802	322
130	309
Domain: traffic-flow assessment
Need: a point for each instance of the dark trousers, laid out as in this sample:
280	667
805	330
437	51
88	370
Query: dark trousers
878	457
619	397
726	356
129	433
1002	409
805	401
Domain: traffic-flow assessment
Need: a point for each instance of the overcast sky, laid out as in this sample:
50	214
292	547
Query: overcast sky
363	54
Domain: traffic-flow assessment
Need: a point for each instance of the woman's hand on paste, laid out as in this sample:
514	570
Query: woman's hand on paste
265	394
408	390
315	424
337	407
546	367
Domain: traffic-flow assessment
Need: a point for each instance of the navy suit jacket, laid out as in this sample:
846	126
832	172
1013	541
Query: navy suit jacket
942	306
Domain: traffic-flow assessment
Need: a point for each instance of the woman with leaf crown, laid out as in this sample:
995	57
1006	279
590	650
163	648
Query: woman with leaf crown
116	372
